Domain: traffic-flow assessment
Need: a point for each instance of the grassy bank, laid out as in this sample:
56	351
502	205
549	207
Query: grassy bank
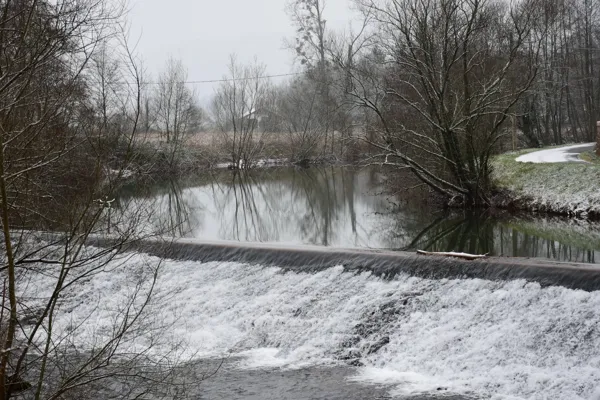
590	157
564	188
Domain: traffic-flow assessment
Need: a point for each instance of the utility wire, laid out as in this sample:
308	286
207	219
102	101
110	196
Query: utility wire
225	79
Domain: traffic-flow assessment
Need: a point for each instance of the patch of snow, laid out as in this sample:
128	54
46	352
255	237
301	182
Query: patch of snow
260	163
557	155
124	173
566	191
467	256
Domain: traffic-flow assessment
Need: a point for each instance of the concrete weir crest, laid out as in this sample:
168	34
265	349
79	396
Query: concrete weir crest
382	263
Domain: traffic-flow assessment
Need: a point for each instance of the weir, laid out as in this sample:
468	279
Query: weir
394	320
385	264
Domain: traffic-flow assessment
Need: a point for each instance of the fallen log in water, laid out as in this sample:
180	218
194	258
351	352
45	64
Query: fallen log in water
465	256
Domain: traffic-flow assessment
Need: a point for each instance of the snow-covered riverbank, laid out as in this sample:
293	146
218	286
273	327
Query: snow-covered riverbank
546	181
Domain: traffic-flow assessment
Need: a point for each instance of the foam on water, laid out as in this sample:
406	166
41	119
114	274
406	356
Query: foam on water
509	340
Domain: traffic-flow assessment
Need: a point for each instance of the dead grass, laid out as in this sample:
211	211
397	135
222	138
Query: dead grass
214	147
590	157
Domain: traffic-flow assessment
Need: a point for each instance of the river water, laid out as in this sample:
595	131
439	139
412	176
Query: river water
334	332
349	208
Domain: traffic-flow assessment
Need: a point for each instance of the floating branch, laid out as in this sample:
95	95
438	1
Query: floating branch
465	256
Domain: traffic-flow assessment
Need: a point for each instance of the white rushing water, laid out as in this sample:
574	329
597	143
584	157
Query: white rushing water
504	340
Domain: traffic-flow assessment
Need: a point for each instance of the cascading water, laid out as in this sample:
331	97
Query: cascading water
501	339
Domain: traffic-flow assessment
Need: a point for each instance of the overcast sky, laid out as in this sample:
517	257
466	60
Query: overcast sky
203	33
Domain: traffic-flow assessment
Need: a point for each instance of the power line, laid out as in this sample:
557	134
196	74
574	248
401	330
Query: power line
225	79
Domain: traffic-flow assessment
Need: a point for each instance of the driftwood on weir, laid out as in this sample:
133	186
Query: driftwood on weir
465	256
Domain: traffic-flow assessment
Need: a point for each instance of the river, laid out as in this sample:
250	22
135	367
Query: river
292	323
347	208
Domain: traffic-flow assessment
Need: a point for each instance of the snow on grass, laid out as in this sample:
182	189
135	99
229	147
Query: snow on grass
561	187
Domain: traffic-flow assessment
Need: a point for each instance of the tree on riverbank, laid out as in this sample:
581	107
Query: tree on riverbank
236	107
564	103
177	112
322	84
442	78
59	111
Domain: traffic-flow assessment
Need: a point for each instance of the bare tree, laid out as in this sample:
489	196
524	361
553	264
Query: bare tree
311	27
53	178
149	115
236	108
298	110
564	101
178	113
442	79
176	104
311	46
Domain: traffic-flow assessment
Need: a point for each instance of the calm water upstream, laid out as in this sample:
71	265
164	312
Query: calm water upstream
346	207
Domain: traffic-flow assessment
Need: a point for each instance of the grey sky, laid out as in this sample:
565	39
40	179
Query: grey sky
203	33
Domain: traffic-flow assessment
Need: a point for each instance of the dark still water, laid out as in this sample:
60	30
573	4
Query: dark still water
345	207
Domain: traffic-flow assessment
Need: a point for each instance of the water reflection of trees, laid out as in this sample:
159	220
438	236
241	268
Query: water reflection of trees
178	215
240	203
167	209
336	207
480	233
306	205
